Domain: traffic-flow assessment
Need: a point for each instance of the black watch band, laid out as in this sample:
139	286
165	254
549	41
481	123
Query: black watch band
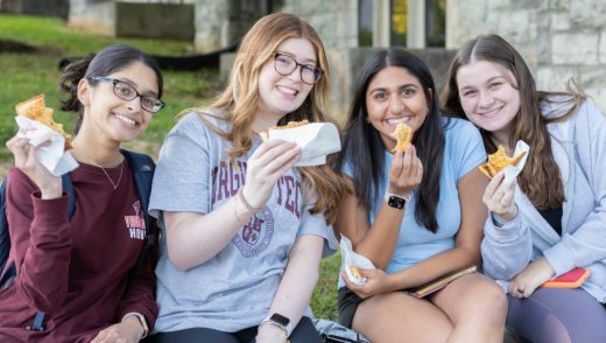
396	202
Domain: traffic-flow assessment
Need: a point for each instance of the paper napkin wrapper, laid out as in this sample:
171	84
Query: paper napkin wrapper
512	171
52	157
316	140
350	259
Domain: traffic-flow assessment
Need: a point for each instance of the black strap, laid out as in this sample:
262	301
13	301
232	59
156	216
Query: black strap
143	167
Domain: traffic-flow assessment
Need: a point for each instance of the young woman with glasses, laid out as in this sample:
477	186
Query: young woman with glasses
245	229
88	274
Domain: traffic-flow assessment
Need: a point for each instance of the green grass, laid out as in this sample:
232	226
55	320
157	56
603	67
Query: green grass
25	75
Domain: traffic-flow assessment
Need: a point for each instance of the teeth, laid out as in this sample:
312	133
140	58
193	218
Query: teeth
287	90
395	121
127	120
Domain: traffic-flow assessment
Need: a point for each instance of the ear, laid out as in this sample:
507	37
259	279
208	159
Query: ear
83	92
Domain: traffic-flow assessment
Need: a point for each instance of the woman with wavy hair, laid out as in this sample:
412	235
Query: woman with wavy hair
244	229
416	212
551	219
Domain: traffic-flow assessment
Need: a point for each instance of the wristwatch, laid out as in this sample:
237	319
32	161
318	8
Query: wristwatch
279	321
396	201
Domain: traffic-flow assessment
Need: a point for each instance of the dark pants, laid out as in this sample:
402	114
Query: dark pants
552	315
305	332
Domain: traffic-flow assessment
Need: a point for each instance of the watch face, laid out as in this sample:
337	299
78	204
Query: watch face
396	202
280	319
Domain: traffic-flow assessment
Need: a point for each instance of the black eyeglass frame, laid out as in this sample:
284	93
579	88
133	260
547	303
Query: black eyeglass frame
318	73
137	94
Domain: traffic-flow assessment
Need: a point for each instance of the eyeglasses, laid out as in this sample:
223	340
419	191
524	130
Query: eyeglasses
127	92
286	65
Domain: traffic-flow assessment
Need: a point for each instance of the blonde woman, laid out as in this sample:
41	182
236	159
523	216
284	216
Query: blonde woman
244	229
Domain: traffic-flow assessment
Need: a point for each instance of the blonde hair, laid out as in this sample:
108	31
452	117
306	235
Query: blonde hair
240	101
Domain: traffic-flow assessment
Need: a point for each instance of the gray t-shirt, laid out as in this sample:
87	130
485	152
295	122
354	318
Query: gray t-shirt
235	288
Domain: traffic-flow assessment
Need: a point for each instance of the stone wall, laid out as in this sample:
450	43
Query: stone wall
560	39
219	24
47	8
155	20
335	21
94	16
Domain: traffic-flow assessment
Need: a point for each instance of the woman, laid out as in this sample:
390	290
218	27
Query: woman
552	219
86	274
415	213
245	230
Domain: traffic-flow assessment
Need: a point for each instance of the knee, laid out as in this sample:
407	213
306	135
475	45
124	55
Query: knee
491	302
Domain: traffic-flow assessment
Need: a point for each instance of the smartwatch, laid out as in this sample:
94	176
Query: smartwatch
396	201
280	321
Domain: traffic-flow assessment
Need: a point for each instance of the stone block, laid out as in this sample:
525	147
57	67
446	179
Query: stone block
517	25
560	21
149	20
551	78
97	17
588	13
575	48
593	77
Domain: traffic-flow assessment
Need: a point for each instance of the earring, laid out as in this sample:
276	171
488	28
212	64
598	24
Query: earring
367	121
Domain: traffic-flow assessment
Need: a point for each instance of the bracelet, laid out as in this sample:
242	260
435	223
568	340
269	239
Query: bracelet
141	320
248	206
238	218
267	321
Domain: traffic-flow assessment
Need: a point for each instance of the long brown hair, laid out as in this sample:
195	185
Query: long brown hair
540	180
241	98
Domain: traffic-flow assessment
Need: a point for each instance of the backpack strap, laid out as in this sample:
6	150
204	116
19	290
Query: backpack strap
143	168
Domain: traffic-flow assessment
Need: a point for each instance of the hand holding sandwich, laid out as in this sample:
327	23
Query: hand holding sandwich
25	160
499	197
267	164
406	171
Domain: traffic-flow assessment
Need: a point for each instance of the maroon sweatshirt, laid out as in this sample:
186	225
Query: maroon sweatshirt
82	273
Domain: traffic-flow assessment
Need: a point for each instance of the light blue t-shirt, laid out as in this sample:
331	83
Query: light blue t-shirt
463	151
234	289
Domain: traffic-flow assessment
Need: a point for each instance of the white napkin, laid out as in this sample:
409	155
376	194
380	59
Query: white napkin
350	258
52	157
511	171
316	140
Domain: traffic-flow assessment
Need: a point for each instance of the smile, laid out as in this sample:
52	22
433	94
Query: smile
492	113
287	90
128	121
396	121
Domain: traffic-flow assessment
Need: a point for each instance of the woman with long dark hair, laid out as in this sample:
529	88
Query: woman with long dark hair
415	213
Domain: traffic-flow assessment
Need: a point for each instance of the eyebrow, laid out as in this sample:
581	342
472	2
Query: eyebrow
307	60
134	85
487	81
383	89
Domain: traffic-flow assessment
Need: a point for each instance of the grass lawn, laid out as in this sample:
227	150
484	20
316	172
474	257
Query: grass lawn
26	75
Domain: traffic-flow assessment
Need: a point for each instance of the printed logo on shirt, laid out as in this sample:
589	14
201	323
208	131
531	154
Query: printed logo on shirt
136	224
257	234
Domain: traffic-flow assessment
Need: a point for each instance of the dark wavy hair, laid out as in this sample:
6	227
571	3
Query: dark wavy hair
111	59
364	149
